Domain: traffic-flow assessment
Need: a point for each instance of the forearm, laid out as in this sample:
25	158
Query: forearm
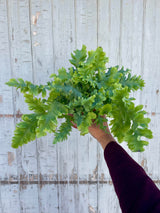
135	190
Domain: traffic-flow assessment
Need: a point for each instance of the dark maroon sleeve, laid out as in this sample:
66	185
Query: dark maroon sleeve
137	193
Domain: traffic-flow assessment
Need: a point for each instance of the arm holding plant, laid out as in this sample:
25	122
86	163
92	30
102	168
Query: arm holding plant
136	192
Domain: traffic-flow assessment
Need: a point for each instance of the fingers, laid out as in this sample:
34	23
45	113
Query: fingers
93	123
73	124
71	115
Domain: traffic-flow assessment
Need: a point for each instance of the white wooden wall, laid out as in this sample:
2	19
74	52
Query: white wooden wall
36	38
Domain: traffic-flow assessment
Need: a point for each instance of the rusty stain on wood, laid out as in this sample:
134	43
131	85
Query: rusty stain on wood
35	18
10	115
102	176
23	177
1	99
110	182
91	209
51	176
157	91
144	164
41	183
73	175
27	41
15	60
95	173
23	186
33	177
63	182
36	44
18	112
153	113
10	158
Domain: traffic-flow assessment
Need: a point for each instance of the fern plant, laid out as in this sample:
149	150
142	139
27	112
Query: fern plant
87	90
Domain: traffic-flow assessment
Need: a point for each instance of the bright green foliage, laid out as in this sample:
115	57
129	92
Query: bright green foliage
88	90
64	131
47	121
25	130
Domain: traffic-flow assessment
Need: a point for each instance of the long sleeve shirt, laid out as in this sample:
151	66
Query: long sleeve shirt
136	192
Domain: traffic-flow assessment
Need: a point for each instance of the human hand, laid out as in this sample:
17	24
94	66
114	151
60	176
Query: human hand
100	135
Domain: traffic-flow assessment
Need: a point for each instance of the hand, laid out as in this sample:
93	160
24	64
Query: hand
99	134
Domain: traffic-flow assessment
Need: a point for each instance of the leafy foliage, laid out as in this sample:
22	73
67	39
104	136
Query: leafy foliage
88	90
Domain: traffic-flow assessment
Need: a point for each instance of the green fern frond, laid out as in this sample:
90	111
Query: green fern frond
25	130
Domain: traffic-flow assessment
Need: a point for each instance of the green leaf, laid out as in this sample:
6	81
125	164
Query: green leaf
47	122
33	89
25	130
35	104
86	122
63	132
105	109
44	92
13	83
79	56
132	82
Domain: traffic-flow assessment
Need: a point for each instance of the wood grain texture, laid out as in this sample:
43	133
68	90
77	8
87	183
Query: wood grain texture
21	49
108	38
150	61
10	198
43	65
86	33
6	105
64	42
150	73
36	39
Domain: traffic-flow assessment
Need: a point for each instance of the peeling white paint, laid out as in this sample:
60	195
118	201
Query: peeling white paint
57	28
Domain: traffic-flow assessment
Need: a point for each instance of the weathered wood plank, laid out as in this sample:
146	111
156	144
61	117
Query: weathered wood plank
8	159
48	200
86	33
150	56
107	199
21	60
109	23
29	198
64	43
43	66
20	49
8	168
109	38
6	105
131	33
10	198
150	95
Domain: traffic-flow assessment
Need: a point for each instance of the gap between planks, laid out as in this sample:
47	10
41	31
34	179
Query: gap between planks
20	115
110	182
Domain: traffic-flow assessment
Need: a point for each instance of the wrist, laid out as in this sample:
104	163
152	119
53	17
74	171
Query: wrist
104	140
